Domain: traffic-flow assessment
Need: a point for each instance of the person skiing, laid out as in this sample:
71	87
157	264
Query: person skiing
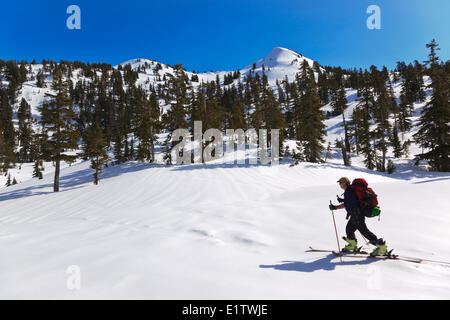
357	221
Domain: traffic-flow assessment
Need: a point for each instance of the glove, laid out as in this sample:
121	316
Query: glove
340	200
332	207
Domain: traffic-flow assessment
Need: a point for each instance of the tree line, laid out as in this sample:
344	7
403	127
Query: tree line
109	109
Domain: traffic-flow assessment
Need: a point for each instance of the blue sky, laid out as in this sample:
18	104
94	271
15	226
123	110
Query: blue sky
224	35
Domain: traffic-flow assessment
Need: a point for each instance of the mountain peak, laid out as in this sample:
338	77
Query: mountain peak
285	60
280	55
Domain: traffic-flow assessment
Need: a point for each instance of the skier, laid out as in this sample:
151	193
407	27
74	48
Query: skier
357	221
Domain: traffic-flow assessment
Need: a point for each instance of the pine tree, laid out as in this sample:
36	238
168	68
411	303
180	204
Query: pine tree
273	116
58	122
309	117
95	148
298	154
362	118
37	146
405	108
147	125
8	180
322	83
6	117
419	86
119	140
37	172
339	104
25	132
434	124
383	127
176	117
40	80
237	120
395	143
7	133
287	151
328	155
390	167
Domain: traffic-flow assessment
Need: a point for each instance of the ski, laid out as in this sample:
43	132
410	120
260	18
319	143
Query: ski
311	249
364	254
368	256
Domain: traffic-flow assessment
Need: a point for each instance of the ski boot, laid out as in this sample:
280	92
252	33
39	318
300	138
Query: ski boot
381	249
351	246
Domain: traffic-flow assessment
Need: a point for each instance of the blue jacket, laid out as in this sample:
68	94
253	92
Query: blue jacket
350	199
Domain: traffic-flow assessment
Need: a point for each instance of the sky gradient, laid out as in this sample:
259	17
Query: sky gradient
224	35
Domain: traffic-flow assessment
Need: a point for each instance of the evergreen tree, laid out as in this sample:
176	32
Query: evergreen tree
434	124
328	155
176	117
395	143
58	122
7	133
362	116
273	116
118	143
37	172
390	167
309	117
405	108
40	80
95	148
37	146
146	127
323	85
345	155
25	132
339	104
8	180
381	111
298	154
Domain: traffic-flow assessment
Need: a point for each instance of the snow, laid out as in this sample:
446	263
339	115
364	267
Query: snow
219	231
277	65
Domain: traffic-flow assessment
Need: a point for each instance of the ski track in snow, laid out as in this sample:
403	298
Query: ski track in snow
216	231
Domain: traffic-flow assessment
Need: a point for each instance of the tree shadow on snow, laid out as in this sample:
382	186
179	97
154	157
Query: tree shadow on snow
432	180
316	265
70	181
404	171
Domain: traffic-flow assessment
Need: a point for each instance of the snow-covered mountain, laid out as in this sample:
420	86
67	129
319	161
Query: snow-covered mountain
218	230
278	64
151	231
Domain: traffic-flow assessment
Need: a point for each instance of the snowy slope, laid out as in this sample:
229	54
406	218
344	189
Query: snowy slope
278	64
335	129
217	231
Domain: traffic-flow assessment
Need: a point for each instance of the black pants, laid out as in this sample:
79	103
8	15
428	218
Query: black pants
357	222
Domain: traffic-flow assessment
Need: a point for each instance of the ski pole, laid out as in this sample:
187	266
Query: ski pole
337	238
367	242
